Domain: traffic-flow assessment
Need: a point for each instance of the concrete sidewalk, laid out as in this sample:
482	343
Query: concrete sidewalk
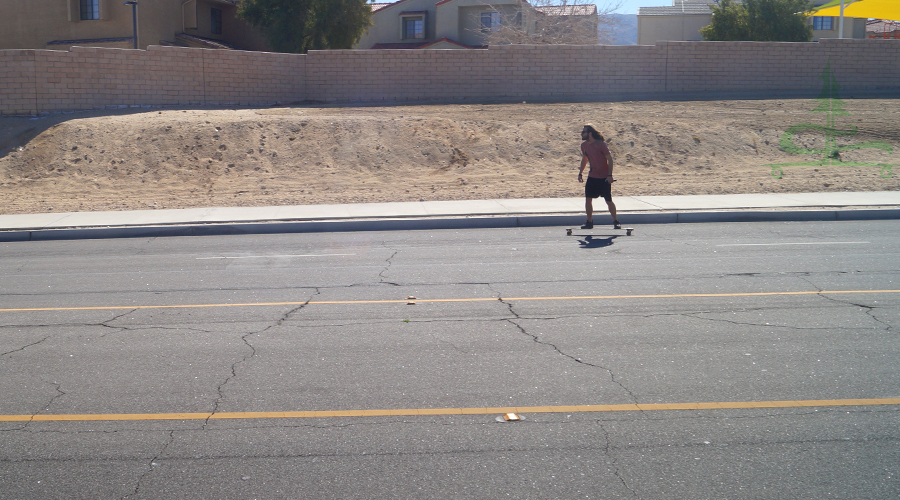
449	215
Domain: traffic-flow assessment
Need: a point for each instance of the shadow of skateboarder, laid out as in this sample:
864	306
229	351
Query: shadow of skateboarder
591	241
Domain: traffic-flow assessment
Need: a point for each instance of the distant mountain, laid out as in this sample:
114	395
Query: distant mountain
626	32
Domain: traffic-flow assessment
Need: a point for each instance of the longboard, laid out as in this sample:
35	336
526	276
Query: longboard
628	231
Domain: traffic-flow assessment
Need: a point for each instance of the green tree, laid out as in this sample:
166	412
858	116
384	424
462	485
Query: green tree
298	26
729	22
760	21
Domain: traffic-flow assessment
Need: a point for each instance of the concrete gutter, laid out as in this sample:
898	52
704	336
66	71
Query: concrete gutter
449	215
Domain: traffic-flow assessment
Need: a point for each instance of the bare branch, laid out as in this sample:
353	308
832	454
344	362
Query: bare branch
548	22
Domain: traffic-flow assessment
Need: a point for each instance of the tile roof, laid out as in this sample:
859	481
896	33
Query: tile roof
90	40
445	1
421	45
450	41
550	10
187	40
397	46
678	8
378	6
674	11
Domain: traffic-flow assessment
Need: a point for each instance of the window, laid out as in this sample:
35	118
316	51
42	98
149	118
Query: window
413	24
490	21
822	23
90	10
413	27
215	23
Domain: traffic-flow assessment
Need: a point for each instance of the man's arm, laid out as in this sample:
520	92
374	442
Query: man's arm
584	160
609	162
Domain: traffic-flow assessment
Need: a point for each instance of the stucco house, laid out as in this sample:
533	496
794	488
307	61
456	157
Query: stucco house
452	24
61	24
684	19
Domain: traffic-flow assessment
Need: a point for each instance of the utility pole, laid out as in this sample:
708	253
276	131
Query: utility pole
841	20
133	5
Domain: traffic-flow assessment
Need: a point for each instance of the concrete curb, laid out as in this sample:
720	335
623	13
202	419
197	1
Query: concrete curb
469	222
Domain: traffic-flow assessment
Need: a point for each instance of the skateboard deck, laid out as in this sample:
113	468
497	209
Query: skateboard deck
627	230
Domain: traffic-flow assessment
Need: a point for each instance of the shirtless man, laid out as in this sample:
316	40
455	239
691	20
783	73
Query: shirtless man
600	179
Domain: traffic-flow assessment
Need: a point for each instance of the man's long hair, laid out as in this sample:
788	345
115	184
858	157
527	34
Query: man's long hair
594	132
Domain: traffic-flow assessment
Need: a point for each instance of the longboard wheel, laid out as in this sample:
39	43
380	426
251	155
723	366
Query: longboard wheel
568	232
628	231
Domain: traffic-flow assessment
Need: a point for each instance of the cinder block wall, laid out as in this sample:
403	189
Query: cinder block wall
769	66
39	81
864	64
17	82
85	78
502	71
252	78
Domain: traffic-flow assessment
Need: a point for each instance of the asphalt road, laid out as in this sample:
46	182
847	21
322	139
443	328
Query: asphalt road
127	367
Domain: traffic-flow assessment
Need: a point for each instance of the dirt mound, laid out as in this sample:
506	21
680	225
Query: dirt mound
167	158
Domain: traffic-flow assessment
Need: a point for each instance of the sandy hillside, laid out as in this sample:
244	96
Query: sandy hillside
172	158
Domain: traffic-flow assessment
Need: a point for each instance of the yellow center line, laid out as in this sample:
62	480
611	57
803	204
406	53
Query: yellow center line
473	299
733	405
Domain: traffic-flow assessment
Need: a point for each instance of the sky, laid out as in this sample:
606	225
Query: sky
631	6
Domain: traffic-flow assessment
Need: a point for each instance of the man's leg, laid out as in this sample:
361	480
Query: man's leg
612	208
589	208
612	211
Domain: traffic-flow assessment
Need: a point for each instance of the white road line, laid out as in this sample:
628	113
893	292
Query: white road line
278	256
784	244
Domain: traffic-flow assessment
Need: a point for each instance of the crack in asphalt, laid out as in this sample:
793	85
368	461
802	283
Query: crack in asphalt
537	340
111	327
153	463
103	324
779	442
220	390
610	279
387	267
520	449
869	309
803	275
764	325
821	411
473	420
312	455
60	393
25	346
607	450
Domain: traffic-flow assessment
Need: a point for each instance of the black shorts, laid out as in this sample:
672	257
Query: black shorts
596	187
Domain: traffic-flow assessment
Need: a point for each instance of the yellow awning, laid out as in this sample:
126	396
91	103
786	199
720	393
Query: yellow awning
866	9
